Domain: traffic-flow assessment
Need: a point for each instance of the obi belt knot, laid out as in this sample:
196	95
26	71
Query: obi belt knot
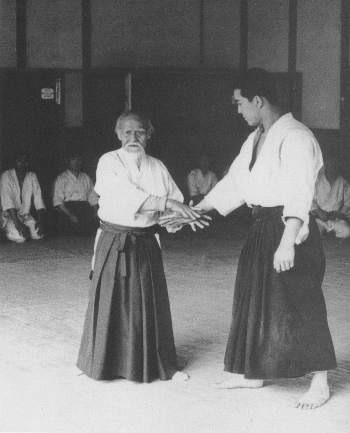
113	241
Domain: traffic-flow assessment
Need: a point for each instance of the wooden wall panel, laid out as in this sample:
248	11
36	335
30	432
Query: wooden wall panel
152	33
221	34
73	99
104	101
268	23
318	58
54	33
7	34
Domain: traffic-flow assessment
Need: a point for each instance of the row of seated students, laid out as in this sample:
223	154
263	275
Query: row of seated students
76	203
73	196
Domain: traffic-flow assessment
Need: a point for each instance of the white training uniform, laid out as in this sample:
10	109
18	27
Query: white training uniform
123	188
67	187
198	184
13	198
329	198
289	149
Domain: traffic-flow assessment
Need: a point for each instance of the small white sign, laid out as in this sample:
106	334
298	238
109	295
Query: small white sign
47	93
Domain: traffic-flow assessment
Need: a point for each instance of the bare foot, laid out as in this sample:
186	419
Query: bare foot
239	381
179	376
317	395
313	398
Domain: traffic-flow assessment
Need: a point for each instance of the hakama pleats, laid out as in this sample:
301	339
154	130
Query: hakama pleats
279	323
128	329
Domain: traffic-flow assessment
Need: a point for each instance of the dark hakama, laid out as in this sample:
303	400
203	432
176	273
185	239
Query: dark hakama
128	329
279	325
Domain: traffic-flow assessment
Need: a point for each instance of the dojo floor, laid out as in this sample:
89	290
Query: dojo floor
43	297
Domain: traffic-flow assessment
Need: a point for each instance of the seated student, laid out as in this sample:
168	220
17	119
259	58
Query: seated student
331	204
200	180
18	187
75	200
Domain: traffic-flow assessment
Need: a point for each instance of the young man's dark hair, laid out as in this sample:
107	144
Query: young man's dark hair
257	82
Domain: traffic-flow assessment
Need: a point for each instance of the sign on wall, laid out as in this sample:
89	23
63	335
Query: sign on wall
47	93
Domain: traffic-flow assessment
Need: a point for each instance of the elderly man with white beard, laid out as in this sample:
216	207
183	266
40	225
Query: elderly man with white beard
128	328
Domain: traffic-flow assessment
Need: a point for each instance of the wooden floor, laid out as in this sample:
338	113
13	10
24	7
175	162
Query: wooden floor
43	297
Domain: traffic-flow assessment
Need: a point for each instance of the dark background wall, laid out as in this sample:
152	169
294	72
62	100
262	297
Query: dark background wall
178	60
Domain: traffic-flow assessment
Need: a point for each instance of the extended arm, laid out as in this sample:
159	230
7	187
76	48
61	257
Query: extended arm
174	220
117	189
161	204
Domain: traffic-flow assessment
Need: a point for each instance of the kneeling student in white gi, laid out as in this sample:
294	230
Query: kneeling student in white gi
331	203
18	187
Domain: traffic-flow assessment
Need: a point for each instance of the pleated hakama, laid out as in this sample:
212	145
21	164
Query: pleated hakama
128	329
279	325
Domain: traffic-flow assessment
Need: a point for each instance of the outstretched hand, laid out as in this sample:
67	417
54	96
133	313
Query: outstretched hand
182	209
176	220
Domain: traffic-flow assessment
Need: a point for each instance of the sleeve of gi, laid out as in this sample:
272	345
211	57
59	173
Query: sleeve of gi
227	195
38	199
300	162
157	203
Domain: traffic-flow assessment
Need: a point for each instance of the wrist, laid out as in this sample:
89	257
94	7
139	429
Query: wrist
287	243
162	202
168	203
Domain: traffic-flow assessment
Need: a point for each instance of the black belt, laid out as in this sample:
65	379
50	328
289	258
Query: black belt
263	213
